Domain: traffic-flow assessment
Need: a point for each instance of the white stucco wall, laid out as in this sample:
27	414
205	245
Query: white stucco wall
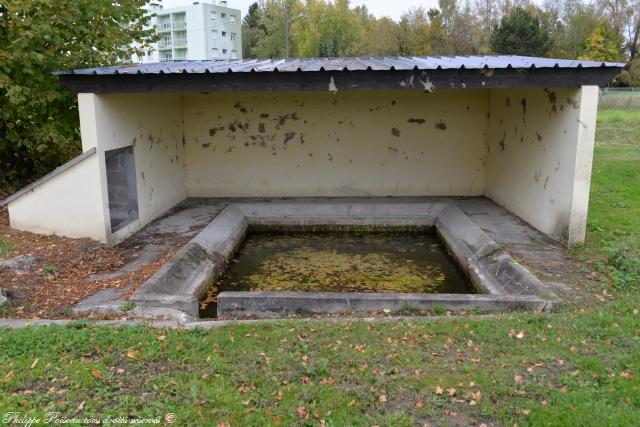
153	125
540	154
69	204
346	144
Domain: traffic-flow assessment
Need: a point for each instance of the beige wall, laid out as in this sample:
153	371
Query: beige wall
540	153
153	125
529	150
69	204
347	144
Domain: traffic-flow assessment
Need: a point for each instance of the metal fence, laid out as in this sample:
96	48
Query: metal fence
620	97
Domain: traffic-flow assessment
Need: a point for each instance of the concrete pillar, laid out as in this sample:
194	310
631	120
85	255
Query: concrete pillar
588	98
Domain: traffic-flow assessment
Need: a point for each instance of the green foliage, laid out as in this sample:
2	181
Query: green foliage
5	247
603	44
563	29
128	306
38	118
630	76
325	29
250	24
520	33
270	30
50	270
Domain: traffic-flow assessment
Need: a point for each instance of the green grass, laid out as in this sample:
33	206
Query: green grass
561	370
613	238
5	247
579	366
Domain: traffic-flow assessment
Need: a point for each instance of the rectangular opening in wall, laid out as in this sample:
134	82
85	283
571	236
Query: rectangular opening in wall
121	187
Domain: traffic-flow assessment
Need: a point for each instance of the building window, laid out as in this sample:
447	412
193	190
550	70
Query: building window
234	54
214	34
233	37
232	19
214	15
223	15
215	52
224	34
167	56
224	51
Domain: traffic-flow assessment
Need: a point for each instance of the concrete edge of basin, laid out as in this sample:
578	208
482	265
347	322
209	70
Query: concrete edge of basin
487	264
265	304
177	287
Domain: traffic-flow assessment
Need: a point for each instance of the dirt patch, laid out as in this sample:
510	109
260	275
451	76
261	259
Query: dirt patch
64	269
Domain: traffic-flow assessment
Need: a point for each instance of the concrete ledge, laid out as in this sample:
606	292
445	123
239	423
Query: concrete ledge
251	304
181	282
175	289
223	235
489	267
57	171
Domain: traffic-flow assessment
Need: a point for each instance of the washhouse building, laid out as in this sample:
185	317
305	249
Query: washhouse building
517	130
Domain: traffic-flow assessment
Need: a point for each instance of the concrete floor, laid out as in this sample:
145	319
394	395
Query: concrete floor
544	257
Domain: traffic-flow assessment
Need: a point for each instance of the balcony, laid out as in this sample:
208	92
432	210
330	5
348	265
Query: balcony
163	26
180	43
179	25
163	44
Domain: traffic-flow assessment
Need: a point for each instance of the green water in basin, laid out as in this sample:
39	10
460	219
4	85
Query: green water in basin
340	262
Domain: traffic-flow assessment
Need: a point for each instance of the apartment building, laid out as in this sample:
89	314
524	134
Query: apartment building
202	30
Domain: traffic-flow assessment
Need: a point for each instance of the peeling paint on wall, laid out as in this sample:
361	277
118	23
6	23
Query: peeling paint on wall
337	143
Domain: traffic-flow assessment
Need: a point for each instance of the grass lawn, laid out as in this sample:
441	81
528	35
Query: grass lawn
578	366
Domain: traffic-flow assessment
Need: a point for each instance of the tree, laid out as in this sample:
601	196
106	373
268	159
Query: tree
520	33
574	22
250	25
413	34
270	42
327	29
382	38
603	44
38	117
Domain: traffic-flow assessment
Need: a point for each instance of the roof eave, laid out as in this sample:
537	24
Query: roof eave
421	80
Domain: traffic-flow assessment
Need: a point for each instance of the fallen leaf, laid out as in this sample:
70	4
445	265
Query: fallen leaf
419	404
35	362
439	390
132	354
626	374
96	374
81	406
520	335
517	378
451	391
161	337
382	399
302	411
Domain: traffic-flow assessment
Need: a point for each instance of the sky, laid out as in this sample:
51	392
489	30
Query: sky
379	8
